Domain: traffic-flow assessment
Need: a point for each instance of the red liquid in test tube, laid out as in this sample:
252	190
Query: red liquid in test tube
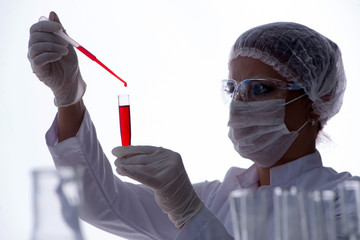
124	116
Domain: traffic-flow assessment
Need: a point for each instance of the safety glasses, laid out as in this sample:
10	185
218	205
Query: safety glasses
257	89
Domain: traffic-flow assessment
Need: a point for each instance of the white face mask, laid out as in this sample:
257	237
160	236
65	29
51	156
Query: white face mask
258	131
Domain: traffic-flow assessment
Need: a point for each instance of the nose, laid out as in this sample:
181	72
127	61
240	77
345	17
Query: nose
237	95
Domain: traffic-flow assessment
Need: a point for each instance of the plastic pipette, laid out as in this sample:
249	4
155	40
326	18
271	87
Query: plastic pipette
71	41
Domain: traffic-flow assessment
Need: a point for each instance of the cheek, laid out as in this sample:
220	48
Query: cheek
295	116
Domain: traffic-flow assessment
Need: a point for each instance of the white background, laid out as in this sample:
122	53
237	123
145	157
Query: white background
173	55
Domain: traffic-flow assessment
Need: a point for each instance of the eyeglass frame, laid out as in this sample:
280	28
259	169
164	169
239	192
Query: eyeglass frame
237	90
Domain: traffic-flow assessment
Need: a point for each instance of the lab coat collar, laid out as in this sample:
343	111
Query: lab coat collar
282	175
249	178
287	173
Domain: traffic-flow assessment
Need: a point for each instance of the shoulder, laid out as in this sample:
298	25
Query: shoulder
336	178
231	175
209	189
326	178
233	172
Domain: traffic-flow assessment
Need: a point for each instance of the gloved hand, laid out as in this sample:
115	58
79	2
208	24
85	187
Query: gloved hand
54	62
163	171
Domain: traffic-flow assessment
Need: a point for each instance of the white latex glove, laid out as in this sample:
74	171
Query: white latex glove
163	171
54	62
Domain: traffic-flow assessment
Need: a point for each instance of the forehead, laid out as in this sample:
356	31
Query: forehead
245	67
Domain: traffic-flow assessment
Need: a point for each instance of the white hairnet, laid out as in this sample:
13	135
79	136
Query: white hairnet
300	55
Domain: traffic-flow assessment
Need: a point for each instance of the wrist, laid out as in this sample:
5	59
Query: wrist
69	120
181	204
70	93
190	213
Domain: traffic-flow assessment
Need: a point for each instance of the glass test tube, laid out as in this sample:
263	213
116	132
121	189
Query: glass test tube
124	117
289	214
349	196
321	215
249	214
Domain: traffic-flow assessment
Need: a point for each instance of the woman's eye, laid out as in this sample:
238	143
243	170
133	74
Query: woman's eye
259	89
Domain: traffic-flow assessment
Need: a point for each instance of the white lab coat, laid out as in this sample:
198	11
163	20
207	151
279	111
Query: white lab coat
130	211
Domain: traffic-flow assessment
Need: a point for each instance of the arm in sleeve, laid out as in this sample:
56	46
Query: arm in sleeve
204	225
121	208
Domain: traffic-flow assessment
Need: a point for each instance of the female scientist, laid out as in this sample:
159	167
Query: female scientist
285	82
